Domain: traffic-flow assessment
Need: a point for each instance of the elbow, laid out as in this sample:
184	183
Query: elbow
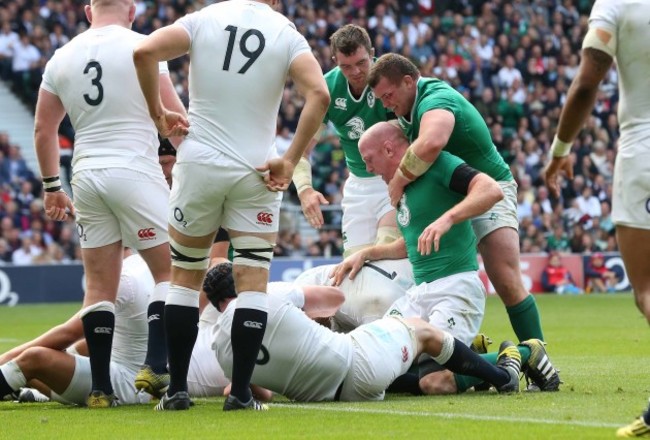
321	98
497	193
141	56
337	297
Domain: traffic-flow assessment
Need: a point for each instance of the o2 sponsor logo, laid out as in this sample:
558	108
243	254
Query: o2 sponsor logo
6	295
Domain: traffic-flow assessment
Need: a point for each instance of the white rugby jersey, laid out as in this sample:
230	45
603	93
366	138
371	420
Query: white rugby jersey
369	295
240	55
629	21
131	329
299	359
95	79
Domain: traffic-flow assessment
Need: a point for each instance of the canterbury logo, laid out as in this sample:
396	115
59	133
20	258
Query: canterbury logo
147	234
264	218
253	324
103	330
154	317
341	103
405	354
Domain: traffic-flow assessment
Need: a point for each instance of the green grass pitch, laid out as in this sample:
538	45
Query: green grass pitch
600	343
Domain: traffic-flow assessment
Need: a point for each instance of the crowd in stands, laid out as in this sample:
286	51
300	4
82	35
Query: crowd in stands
513	59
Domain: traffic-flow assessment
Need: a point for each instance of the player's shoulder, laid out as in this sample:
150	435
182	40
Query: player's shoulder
335	79
607	9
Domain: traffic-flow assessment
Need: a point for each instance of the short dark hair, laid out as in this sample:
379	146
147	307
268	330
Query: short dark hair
393	67
347	39
219	284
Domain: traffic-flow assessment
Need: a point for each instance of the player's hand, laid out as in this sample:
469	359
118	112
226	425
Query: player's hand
310	200
172	124
58	206
557	165
277	173
432	234
396	188
351	265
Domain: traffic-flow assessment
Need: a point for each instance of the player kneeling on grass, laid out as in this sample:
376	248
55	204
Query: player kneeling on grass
305	361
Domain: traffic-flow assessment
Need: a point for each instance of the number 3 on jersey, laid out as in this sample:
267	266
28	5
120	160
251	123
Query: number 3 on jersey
243	47
95	82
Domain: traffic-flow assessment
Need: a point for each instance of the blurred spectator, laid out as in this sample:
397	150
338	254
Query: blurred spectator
557	278
599	279
26	253
8	40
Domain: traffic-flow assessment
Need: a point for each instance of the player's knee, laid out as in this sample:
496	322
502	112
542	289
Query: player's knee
34	358
189	258
438	383
251	251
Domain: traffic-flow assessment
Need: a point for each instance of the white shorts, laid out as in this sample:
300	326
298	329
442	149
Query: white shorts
383	351
227	194
502	215
114	204
455	304
631	193
205	377
365	202
122	379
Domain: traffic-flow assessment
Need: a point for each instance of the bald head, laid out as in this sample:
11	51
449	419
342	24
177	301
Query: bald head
107	12
382	146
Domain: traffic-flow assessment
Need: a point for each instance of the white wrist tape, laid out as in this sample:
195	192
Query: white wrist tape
302	175
560	148
411	166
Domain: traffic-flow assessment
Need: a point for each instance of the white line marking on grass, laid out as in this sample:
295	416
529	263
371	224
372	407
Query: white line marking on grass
4	340
337	408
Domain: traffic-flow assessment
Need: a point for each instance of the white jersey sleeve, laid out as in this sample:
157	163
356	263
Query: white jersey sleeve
95	79
240	54
628	21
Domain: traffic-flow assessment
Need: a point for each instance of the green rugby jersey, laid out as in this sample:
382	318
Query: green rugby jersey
351	117
470	139
423	202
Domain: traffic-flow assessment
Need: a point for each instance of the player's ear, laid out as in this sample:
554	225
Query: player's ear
132	13
89	13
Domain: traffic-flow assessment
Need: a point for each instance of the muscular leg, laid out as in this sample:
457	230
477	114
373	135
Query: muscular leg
102	267
634	244
182	306
53	368
500	252
159	261
251	276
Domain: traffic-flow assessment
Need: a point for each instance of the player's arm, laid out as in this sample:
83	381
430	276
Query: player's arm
171	101
481	193
599	48
436	126
163	45
310	83
322	301
310	199
394	250
308	78
58	338
49	114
